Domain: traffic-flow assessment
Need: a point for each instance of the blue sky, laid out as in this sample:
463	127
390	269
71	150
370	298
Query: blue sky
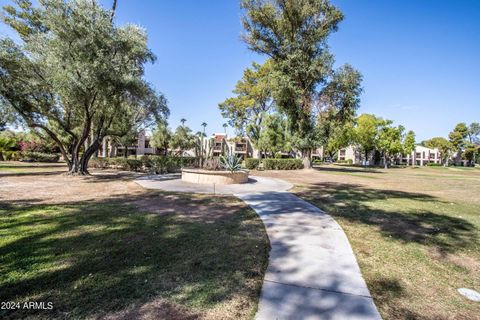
419	59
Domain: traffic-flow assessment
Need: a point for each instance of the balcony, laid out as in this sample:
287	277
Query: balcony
240	149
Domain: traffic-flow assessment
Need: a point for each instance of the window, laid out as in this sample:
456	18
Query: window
342	153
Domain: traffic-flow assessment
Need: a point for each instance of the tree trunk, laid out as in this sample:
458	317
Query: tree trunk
1	156
91	150
385	163
307	158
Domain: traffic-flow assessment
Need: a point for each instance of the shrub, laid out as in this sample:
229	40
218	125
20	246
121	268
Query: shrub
134	165
282	164
165	164
434	164
12	155
39	157
146	162
118	163
252	163
99	163
317	161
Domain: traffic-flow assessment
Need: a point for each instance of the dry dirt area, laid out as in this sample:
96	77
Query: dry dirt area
164	255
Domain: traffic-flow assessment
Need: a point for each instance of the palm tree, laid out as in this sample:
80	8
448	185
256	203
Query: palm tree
204	125
183	120
225	127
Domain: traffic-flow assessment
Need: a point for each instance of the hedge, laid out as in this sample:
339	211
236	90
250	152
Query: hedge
348	161
434	164
252	163
282	164
157	164
12	155
39	157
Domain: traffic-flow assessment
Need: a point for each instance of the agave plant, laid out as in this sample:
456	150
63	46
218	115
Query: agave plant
231	163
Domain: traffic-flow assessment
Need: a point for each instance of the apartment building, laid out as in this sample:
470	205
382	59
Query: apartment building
140	147
421	156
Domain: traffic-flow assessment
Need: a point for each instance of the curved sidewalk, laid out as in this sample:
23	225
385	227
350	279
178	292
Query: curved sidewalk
312	271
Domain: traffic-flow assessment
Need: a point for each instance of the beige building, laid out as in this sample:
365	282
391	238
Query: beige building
140	147
421	156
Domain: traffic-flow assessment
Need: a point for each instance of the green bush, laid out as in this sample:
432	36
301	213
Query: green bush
146	162
99	163
157	164
282	164
12	155
165	164
252	163
39	157
317	161
133	165
434	164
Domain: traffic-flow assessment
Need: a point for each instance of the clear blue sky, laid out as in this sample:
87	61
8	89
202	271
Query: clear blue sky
419	59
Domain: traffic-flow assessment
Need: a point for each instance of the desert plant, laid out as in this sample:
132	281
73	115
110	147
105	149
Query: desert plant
231	163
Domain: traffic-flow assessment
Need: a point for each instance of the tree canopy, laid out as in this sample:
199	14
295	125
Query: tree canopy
252	101
293	34
76	75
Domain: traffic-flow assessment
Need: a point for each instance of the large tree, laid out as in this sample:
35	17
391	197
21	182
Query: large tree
76	75
408	143
293	34
474	141
365	133
251	103
443	145
458	136
389	141
161	137
182	139
274	135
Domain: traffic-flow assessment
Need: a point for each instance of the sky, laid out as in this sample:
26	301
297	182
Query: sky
419	59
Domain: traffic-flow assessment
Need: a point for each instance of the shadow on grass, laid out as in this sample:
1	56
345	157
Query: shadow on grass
109	259
30	173
419	221
21	165
346	170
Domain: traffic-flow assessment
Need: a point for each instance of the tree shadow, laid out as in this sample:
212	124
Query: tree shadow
31	173
347	169
109	259
33	166
420	224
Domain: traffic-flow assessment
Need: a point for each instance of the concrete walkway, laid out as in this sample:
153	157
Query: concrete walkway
312	271
173	182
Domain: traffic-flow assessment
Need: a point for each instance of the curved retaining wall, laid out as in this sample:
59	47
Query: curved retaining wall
217	177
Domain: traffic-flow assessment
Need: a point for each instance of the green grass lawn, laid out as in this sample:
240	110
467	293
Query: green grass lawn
415	233
19	168
417	244
102	258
